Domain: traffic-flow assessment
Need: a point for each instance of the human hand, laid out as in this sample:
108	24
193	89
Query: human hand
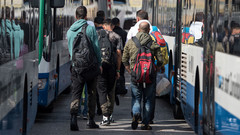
101	69
117	75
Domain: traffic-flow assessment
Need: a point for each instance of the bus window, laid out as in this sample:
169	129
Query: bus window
192	22
1	35
166	17
228	27
234	39
7	35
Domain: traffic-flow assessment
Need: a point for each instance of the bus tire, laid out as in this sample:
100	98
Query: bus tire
177	112
67	90
25	105
196	100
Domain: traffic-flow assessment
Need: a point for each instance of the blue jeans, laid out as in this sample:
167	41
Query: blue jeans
85	109
138	92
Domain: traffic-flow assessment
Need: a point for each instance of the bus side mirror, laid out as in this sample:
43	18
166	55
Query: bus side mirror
53	3
57	3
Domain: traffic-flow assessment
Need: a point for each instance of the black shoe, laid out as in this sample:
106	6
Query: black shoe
135	121
99	111
73	124
117	100
92	124
146	127
151	122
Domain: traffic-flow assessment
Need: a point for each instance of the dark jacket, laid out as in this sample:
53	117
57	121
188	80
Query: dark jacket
122	33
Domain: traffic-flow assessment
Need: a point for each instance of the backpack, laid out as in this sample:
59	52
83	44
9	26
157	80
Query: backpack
144	70
84	58
105	46
187	38
157	36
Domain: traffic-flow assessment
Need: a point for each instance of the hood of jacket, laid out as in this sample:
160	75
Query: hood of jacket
16	27
8	25
77	25
144	38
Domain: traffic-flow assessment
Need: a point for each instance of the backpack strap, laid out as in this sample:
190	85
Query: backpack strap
136	41
102	33
84	28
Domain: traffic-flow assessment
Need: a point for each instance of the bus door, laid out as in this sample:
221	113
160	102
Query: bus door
208	75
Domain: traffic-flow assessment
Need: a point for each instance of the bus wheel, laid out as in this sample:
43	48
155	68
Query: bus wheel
67	90
177	112
49	108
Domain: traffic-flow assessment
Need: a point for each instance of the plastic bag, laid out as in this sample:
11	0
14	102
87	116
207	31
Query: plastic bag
163	85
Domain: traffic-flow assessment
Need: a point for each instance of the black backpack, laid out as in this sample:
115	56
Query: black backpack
105	47
84	58
144	70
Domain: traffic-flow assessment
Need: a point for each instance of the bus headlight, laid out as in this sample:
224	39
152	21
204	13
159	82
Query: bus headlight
42	83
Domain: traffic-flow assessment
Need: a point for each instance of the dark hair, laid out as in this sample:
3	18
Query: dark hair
101	13
225	24
199	16
234	25
81	12
142	14
98	20
107	22
115	21
8	12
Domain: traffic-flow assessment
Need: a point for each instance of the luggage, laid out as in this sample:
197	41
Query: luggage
144	70
157	36
84	58
163	85
105	46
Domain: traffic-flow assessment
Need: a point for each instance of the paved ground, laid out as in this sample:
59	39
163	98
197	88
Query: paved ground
57	122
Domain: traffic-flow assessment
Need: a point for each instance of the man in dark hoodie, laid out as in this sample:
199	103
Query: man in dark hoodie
120	88
138	90
78	84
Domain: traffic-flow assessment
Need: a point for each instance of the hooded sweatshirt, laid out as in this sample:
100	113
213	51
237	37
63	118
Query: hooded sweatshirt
9	31
18	36
91	34
131	50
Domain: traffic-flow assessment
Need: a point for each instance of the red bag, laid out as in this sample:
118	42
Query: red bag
158	38
144	69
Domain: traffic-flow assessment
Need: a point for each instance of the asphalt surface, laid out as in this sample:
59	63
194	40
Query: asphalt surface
58	122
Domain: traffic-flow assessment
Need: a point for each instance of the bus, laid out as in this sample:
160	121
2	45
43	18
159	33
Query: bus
54	68
206	77
18	66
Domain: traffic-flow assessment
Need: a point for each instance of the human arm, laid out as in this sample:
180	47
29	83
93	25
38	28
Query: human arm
125	57
119	58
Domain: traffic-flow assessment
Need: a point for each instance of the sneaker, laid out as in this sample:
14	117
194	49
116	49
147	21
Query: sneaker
105	121
146	127
135	121
111	119
92	124
99	111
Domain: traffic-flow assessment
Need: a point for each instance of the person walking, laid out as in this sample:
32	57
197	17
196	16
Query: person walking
141	16
141	90
87	33
111	47
120	87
